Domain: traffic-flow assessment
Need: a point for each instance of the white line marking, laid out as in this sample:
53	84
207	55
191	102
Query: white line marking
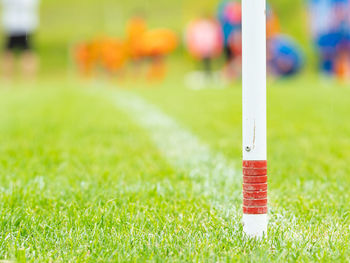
212	174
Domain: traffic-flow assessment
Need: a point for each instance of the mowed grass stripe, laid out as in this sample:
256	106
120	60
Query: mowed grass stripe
81	182
214	175
184	151
308	144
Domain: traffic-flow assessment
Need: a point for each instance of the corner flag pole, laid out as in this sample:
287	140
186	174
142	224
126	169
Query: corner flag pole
254	117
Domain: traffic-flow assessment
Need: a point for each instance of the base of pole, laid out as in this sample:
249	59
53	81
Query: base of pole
255	225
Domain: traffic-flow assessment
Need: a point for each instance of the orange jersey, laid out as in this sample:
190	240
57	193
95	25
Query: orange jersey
272	25
342	66
83	58
113	53
135	30
82	53
158	42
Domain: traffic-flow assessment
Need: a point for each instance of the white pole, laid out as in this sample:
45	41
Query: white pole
254	117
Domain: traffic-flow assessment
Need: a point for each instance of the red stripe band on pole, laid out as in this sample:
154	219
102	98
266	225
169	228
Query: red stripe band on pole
255	187
254	202
255	210
255	179
254	171
255	195
255	164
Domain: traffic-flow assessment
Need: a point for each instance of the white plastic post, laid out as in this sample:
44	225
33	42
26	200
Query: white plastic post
254	117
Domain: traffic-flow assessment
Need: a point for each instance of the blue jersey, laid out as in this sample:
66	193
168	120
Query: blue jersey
329	16
330	23
229	16
284	56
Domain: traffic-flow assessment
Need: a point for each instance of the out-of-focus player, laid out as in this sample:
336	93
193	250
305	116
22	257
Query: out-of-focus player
20	20
204	41
330	25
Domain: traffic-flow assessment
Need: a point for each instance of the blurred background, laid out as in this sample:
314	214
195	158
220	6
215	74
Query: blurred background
65	23
86	37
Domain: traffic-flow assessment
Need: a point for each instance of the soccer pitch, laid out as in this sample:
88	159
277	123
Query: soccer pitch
87	176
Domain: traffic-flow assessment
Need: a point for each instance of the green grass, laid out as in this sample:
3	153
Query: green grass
82	182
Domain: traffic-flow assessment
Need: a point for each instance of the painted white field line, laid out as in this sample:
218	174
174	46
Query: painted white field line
181	148
211	173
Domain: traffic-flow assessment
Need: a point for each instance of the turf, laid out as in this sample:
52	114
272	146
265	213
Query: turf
82	181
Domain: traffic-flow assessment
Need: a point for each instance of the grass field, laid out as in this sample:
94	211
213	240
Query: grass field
131	172
84	180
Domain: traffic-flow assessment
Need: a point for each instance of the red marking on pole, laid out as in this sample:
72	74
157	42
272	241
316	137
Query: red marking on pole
254	171
255	195
255	164
255	179
255	187
254	202
255	210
